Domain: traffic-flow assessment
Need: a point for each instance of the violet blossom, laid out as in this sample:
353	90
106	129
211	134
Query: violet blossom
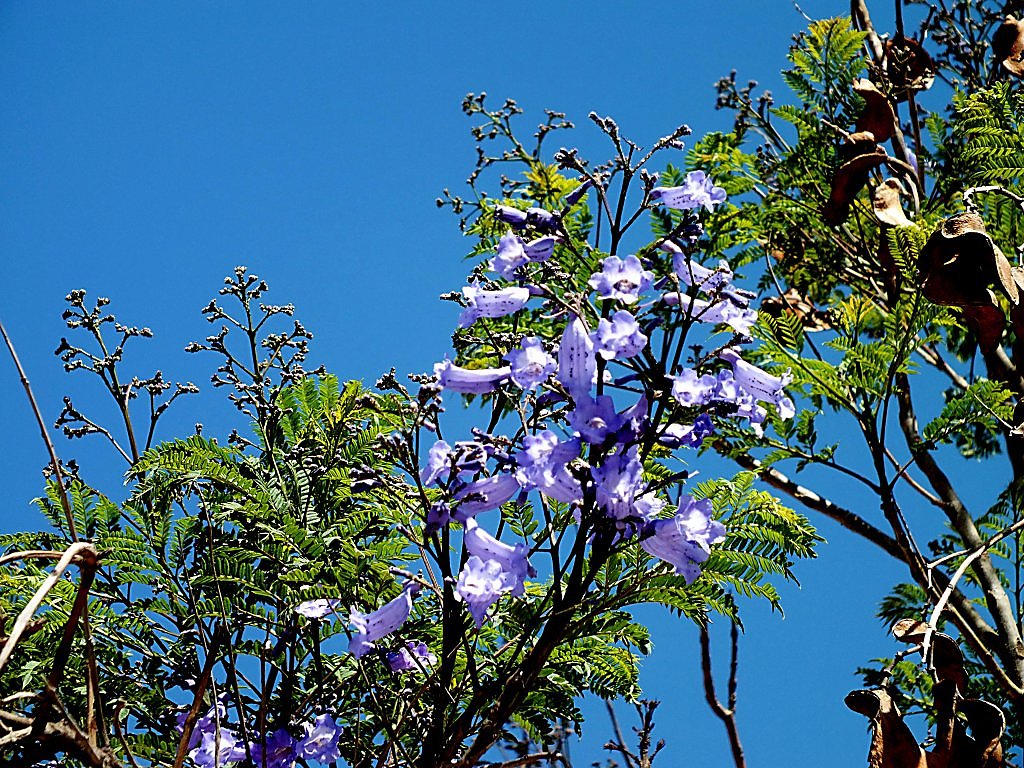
480	584
619	480
689	388
696	190
469	381
511	255
760	384
543	465
530	363
371	627
511	557
719	312
684	541
622	279
690	435
412	656
318	609
320	742
619	337
595	419
577	366
483	495
694	274
499	303
279	752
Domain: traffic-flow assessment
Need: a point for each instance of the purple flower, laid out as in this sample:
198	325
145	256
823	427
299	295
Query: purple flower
321	740
761	385
634	421
619	481
577	366
413	656
437	517
469	381
648	506
480	584
317	609
690	389
483	495
743	404
595	419
212	743
691	435
509	215
718	312
530	364
541	219
685	540
542	465
696	190
621	279
280	750
511	255
540	250
512	558
577	194
467	456
439	463
694	274
371	627
619	337
498	303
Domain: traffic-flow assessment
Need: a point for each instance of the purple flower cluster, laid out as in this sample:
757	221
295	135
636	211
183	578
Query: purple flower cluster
213	743
578	447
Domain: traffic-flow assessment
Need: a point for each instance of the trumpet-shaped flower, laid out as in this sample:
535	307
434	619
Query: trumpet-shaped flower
760	384
371	627
511	557
595	419
619	337
622	279
318	609
542	465
577	366
530	363
690	435
694	274
720	312
280	750
480	584
469	381
411	657
511	255
619	481
498	303
483	495
320	742
696	191
685	540
690	389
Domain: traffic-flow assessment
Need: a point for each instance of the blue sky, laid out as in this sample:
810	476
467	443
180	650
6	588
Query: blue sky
148	148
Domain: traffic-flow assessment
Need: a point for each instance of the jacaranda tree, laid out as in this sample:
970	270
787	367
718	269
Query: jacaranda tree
346	579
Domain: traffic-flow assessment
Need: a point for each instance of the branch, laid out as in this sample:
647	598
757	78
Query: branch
726	714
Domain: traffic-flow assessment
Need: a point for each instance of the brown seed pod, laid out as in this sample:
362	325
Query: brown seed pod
878	117
886	203
960	262
907	66
1008	45
863	155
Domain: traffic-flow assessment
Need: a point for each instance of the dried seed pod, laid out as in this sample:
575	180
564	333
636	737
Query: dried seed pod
886	203
907	66
863	155
892	743
878	117
1008	45
959	263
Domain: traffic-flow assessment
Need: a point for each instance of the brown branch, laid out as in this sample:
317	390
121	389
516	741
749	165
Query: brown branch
726	714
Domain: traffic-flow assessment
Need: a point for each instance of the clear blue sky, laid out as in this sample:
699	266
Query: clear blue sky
147	148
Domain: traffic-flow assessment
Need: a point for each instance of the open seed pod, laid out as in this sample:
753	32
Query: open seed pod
862	154
886	203
907	66
878	117
1008	45
960	262
892	743
792	302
